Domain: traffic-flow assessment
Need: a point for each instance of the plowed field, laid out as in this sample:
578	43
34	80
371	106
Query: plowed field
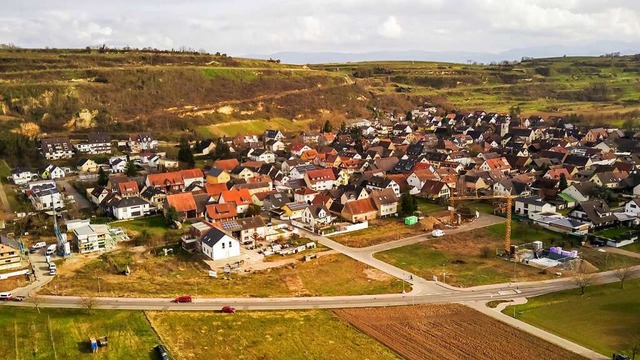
450	332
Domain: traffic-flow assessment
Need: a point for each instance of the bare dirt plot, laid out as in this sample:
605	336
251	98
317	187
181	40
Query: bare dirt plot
449	332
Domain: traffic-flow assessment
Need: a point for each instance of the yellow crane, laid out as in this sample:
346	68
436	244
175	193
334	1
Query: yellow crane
508	198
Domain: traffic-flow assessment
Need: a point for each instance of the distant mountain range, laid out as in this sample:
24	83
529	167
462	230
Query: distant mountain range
596	49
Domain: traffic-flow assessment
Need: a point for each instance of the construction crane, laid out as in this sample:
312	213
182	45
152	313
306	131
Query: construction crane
508	198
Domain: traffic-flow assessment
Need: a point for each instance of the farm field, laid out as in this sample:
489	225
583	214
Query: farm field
378	232
312	334
467	258
182	273
449	332
608	318
64	334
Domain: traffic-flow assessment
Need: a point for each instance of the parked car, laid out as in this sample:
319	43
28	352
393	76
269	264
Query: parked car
437	233
6	296
183	299
228	309
161	352
18	298
36	246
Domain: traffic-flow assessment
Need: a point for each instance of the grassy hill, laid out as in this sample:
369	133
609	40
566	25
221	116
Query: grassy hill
173	94
596	88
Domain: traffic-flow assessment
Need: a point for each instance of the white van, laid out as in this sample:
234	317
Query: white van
52	269
6	296
51	249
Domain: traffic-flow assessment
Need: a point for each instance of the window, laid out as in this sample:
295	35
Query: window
229	244
223	245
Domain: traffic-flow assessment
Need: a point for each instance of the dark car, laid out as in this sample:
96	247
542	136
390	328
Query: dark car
183	299
228	309
161	352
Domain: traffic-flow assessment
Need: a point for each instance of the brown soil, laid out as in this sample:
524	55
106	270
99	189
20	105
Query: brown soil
449	332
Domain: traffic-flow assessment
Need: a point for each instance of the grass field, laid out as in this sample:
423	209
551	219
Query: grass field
635	247
378	232
253	127
156	226
459	256
64	334
312	334
182	273
613	232
606	319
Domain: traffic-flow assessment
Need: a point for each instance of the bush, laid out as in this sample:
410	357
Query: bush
485	252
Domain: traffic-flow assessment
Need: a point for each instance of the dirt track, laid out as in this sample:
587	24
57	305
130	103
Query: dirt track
449	332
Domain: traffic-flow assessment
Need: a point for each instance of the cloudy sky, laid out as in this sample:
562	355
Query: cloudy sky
251	26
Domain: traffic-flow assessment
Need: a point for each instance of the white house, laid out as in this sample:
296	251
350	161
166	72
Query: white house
56	148
52	172
96	144
217	245
323	179
118	166
21	177
131	207
92	238
263	155
316	216
46	198
632	207
530	206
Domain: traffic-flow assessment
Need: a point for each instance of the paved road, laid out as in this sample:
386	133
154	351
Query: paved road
81	201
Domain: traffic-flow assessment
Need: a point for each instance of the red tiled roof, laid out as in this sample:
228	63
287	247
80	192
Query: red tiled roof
361	206
128	187
320	175
182	202
221	211
215	189
226	164
240	197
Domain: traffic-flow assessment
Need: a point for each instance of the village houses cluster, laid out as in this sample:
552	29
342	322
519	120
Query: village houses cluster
562	177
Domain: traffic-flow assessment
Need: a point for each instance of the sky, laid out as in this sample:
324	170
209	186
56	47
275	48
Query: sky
250	26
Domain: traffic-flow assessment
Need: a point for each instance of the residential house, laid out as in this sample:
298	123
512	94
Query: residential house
217	245
273	135
264	155
359	210
183	203
581	192
141	142
56	148
87	166
381	183
596	212
118	165
633	207
45	198
293	210
511	187
9	253
316	216
155	197
97	143
92	238
226	164
219	212
498	164
52	172
247	230
435	189
323	179
241	172
217	176
20	176
175	181
241	198
128	189
385	201
130	208
530	206
305	195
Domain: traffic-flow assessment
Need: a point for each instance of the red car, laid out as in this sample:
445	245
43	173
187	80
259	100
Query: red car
183	299
228	309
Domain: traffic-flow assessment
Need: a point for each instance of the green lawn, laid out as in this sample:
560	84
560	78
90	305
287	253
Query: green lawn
605	319
64	334
613	232
254	127
155	225
310	334
5	171
635	247
523	232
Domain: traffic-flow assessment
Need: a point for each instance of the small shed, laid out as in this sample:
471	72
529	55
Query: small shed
411	220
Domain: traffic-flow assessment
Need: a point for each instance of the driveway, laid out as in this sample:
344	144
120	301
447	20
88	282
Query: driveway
81	201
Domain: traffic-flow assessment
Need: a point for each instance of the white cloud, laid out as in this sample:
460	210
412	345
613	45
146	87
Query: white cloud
390	28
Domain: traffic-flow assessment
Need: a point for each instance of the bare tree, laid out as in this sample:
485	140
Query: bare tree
88	303
635	346
35	298
582	279
623	274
